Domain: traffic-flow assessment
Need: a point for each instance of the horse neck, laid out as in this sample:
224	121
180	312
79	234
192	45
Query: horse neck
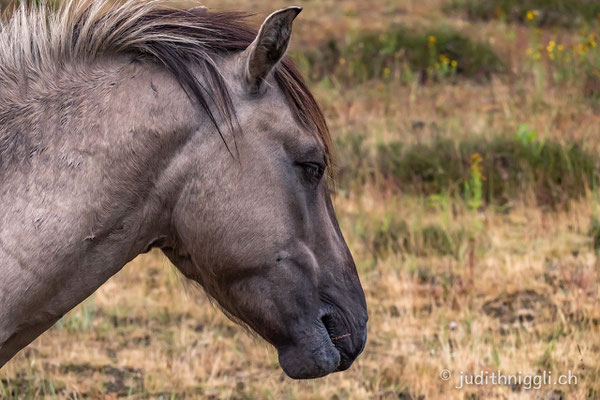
87	189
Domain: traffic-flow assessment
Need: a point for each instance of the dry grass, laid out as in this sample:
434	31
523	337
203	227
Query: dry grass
142	335
517	292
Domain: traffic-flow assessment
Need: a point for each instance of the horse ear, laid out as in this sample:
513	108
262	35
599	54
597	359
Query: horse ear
269	47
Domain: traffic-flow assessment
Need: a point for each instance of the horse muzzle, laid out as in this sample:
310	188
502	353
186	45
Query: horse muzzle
329	345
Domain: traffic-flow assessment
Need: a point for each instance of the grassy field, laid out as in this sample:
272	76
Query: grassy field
467	190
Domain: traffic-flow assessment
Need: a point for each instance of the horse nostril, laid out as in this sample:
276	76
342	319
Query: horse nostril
329	324
332	329
349	341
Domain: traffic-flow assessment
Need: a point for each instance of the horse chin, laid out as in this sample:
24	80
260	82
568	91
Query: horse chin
305	361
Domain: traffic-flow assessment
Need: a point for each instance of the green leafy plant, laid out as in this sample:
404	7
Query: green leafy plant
474	184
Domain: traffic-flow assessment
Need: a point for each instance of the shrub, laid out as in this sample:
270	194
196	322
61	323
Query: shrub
565	13
399	54
494	170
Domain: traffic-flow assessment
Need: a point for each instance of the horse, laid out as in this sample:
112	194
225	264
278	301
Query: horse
128	126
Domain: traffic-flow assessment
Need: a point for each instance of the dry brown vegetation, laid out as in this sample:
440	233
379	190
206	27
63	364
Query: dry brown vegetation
454	279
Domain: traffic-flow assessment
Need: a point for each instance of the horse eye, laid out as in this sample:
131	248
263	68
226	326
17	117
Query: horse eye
314	172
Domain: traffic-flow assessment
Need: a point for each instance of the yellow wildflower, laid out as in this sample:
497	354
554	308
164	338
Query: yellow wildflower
386	72
454	63
550	49
431	40
531	14
560	47
342	61
476	166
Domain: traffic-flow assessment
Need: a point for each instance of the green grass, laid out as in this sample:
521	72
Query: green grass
495	170
393	235
402	54
564	13
80	319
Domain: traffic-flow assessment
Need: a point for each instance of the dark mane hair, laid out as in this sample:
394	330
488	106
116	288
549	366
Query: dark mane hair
34	37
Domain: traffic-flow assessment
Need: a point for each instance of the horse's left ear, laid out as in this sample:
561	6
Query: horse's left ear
269	47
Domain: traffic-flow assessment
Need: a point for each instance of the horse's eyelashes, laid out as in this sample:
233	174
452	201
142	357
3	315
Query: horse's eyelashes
314	172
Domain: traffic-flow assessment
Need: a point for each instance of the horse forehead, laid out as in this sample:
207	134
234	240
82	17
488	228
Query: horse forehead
269	112
284	125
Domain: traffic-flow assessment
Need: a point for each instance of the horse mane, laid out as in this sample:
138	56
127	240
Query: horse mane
37	39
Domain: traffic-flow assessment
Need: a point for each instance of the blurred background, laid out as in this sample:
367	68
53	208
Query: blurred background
467	135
